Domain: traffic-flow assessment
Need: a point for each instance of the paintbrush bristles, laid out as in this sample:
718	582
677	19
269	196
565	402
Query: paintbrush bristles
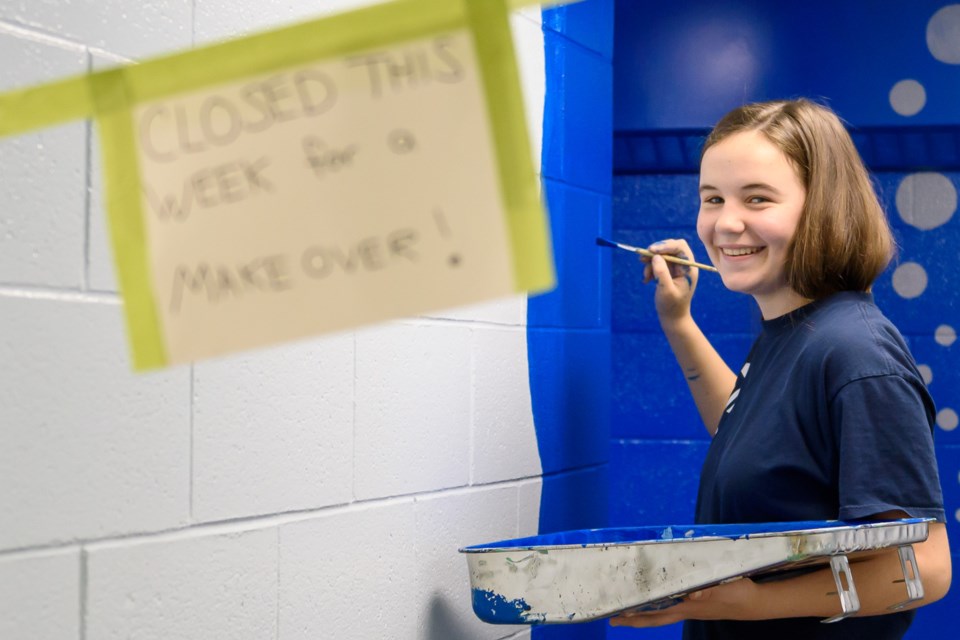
646	252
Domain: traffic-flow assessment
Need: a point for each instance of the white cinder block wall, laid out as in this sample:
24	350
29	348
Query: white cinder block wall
312	491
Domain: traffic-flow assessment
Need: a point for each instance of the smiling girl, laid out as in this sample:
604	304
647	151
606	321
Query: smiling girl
829	417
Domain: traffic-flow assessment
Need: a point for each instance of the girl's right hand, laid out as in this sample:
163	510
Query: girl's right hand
675	282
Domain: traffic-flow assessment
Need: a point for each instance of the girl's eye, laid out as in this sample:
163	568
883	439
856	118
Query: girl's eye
713	200
757	200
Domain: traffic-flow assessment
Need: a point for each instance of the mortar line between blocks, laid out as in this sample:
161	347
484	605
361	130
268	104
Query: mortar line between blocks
276	602
264	521
35	34
192	409
471	436
353	425
83	593
87	190
39	292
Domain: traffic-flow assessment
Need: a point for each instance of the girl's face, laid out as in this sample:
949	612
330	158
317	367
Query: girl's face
750	203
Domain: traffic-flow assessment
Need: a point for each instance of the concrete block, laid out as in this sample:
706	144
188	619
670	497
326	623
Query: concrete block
650	395
578	119
353	572
574	500
651	398
43	208
504	439
928	297
133	31
222	19
570	386
101	269
215	587
581	297
444	524
529	520
412	409
528	45
273	430
657	201
509	310
88	449
40	595
654	482
34	60
589	24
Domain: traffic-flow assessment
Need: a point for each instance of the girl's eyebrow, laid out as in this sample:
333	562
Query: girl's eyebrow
759	185
747	187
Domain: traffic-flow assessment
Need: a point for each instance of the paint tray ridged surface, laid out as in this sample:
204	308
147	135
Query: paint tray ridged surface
576	576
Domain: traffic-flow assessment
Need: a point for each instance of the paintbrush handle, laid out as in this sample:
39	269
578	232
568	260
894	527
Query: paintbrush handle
674	259
645	252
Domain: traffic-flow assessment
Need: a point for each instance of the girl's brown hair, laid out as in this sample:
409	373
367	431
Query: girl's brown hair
843	240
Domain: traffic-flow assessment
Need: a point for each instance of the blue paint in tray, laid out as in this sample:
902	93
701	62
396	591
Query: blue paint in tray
494	608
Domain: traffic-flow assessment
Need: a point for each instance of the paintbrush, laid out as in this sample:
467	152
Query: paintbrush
644	252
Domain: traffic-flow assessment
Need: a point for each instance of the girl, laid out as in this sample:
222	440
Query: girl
829	417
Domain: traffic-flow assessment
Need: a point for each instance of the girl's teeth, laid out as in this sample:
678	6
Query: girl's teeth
739	252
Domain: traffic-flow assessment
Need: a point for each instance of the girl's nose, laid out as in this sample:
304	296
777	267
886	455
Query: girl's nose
729	220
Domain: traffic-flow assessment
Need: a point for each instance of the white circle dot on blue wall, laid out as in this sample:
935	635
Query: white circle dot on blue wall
909	280
908	97
957	515
947	419
945	335
926	373
926	200
943	34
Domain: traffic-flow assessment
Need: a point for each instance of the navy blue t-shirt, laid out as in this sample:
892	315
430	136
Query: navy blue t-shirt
829	419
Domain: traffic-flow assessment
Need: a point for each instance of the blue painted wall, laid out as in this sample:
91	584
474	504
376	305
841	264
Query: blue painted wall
684	64
568	333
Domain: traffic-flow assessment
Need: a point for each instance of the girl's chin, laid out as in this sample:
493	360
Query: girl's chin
751	286
742	283
736	281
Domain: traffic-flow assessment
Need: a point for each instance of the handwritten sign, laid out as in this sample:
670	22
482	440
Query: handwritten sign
383	174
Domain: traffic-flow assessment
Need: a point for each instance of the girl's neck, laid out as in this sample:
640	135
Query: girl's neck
780	304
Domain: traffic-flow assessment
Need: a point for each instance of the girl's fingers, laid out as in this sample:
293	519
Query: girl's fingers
647	272
661	271
669	274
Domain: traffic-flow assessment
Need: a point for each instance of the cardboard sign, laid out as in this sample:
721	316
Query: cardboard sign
365	166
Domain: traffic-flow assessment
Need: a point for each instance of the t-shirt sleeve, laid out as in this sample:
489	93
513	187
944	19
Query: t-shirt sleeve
886	459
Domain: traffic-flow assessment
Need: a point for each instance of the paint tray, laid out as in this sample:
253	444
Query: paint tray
577	576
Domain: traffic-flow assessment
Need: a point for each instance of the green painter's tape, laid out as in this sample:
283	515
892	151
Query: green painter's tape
125	219
46	105
526	222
